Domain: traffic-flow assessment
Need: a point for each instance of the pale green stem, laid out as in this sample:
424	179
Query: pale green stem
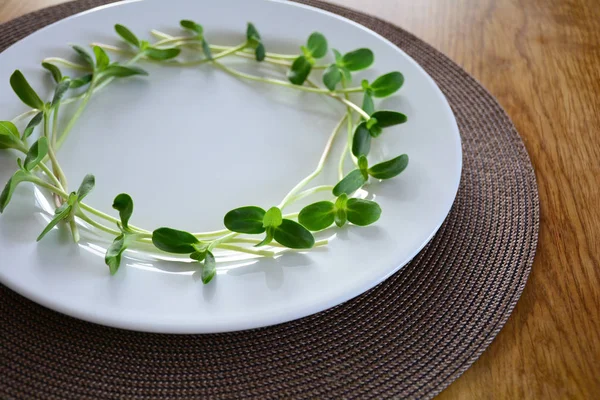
55	165
97	225
50	175
342	161
75	117
249	250
216	57
308	192
67	63
317	171
25	115
55	124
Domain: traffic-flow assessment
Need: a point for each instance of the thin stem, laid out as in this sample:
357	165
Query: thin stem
55	166
76	116
48	186
317	171
218	56
25	115
67	63
50	175
249	250
97	225
55	124
342	161
308	192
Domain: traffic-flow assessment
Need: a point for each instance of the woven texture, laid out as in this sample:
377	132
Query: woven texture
409	337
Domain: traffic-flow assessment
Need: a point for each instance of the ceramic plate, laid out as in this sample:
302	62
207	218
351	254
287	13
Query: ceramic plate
191	144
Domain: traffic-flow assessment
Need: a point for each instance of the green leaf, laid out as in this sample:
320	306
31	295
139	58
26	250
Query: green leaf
340	217
317	216
272	217
127	35
252	34
59	92
174	241
13	182
389	169
346	74
114	253
386	118
85	56
206	50
268	238
363	165
293	235
351	183
35	121
361	142
25	92
36	154
198	255
358	59
86	186
367	104
245	220
299	70
162	54
209	269
81	81
260	52
54	70
121	71
332	76
9	135
317	45
387	84
123	203
362	212
192	26
102	59
338	56
62	214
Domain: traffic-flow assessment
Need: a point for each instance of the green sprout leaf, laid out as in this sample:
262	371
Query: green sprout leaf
174	241
367	104
81	81
358	59
25	92
84	55
255	41
54	70
361	142
340	217
351	183
332	76
59	92
338	56
362	212
317	45
209	269
317	216
114	253
268	237
122	71
36	154
9	135
363	165
127	35
389	169
123	203
35	121
245	220
86	186
387	84
102	59
299	70
387	118
162	54
206	50
192	26
13	182
293	235
272	218
62	213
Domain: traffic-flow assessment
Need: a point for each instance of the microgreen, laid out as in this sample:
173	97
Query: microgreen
271	224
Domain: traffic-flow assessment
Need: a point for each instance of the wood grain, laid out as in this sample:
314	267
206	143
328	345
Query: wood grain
541	59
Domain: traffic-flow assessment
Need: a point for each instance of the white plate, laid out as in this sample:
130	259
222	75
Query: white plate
191	144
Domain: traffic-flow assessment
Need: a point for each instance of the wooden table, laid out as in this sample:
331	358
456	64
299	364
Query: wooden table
541	59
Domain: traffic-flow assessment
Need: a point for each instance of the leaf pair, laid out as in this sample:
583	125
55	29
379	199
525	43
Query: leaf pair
9	136
316	47
254	40
181	242
67	211
358	177
345	64
35	155
385	85
149	51
199	31
255	220
124	205
361	141
323	214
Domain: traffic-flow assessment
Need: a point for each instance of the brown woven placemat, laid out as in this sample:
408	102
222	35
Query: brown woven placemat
409	337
